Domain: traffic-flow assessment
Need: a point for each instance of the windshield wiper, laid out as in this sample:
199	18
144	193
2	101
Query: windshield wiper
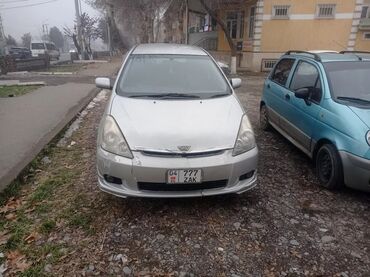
165	95
220	95
353	99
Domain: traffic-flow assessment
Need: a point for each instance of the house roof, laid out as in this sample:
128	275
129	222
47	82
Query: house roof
168	49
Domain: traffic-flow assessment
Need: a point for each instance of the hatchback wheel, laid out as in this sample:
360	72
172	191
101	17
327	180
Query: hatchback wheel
329	167
264	120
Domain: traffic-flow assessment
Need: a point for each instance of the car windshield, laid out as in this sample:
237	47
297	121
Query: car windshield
37	46
171	76
349	81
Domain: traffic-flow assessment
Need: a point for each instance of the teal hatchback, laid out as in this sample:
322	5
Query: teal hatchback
321	104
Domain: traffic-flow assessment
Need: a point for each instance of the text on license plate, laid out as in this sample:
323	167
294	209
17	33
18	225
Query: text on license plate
184	176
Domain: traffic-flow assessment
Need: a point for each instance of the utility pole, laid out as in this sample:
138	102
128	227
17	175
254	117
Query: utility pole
79	31
109	29
45	31
2	37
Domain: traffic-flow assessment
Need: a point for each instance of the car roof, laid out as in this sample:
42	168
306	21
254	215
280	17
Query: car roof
168	49
42	41
328	56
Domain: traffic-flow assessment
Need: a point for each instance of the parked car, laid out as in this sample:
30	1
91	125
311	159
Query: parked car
18	53
174	127
42	48
321	103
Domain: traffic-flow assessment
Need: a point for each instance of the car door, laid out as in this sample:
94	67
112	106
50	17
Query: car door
302	114
276	89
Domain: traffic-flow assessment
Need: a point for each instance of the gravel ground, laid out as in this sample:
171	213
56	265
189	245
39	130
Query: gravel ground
286	226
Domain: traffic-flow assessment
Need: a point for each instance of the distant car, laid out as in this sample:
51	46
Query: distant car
174	127
321	103
19	53
42	48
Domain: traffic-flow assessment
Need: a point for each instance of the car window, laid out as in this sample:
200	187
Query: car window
282	71
306	75
349	79
49	46
153	74
37	46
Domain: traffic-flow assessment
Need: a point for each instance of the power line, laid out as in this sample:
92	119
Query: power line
29	5
12	1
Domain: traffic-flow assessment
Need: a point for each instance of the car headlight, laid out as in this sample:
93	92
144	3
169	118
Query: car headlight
368	137
245	140
112	139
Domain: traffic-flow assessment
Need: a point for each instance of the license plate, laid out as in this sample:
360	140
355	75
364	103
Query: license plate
184	176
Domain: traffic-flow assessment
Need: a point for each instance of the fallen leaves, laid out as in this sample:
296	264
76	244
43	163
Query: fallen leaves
32	237
17	261
4	237
11	206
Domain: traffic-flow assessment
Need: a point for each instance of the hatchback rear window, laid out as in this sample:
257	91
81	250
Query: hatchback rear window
37	46
153	74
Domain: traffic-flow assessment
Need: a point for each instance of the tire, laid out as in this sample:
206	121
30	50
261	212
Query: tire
329	168
264	119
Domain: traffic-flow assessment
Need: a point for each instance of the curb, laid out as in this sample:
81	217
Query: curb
13	173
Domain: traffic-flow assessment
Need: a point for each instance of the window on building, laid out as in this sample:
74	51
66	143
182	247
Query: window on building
366	36
281	11
307	76
268	64
252	17
282	71
235	24
326	10
365	12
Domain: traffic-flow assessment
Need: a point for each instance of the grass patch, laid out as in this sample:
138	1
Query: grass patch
12	190
46	188
46	254
81	220
47	226
13	91
43	208
19	229
34	271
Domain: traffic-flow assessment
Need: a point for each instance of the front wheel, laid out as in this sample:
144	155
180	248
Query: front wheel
264	119
329	168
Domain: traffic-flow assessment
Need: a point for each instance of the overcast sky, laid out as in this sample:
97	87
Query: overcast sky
30	19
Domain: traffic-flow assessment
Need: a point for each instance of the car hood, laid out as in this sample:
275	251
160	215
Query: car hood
164	125
363	114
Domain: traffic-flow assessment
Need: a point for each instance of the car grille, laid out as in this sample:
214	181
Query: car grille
181	187
182	155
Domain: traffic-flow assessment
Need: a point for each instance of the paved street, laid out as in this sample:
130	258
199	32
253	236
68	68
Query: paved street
61	224
29	122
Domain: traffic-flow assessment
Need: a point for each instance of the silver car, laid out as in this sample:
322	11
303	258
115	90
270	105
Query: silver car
174	127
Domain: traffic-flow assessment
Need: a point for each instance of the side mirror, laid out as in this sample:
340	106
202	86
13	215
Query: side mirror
103	83
302	93
236	82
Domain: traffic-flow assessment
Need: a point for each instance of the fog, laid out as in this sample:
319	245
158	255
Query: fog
19	21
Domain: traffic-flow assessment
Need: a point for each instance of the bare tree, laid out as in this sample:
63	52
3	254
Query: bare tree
26	40
137	21
90	31
10	41
213	7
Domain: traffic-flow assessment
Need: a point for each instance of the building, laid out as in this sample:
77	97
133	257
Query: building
263	30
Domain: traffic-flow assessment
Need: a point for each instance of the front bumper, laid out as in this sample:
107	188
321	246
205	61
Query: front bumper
153	170
356	171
